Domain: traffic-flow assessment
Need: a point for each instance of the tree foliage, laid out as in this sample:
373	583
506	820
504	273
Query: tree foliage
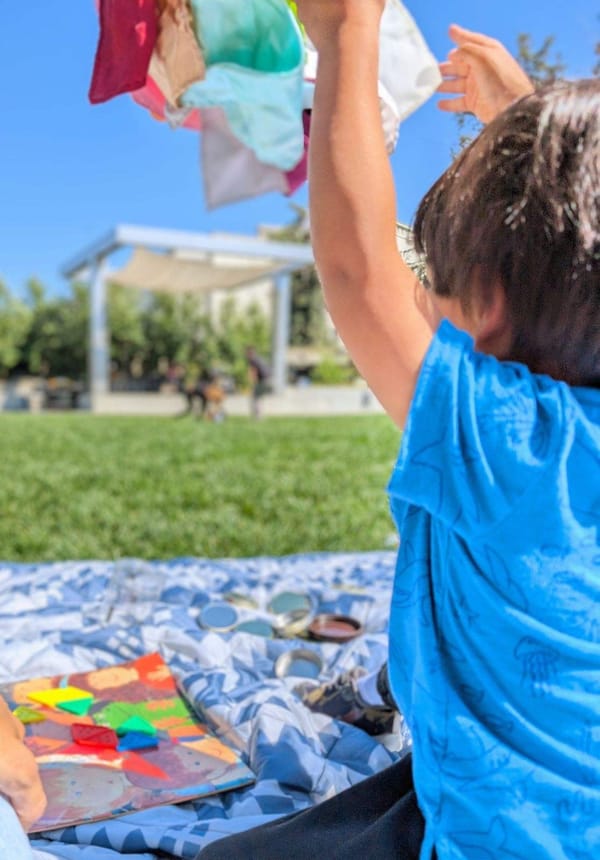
148	332
56	342
127	337
15	320
307	314
174	329
235	331
541	67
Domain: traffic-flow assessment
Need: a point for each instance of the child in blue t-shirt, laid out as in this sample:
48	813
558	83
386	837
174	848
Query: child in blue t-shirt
494	374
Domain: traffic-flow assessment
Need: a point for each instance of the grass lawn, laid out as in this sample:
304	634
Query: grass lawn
79	486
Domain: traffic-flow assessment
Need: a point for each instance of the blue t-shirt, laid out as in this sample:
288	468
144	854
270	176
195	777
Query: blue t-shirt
495	619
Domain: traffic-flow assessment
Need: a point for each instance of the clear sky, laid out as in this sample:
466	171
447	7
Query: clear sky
70	171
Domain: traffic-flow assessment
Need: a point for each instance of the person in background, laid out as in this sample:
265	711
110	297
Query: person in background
202	385
259	373
192	388
214	397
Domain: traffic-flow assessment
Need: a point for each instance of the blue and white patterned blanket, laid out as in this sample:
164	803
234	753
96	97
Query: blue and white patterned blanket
71	616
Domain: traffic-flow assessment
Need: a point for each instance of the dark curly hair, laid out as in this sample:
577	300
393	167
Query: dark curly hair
521	208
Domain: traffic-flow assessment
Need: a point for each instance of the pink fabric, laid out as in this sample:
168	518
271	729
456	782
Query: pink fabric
128	33
298	176
151	97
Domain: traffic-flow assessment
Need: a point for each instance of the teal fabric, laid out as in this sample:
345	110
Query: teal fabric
255	34
254	55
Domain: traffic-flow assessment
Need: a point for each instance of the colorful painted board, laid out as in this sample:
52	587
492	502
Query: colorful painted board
89	783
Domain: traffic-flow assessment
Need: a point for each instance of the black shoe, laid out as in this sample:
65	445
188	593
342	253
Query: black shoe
341	700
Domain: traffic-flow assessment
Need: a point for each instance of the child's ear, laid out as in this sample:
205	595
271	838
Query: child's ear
492	327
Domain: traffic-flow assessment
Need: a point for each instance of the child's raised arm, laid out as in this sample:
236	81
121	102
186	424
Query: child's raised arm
483	75
377	304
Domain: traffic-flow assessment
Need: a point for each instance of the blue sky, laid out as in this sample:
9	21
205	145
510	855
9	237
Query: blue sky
69	171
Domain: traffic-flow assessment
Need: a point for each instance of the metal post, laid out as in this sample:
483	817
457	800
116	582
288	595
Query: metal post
281	333
98	356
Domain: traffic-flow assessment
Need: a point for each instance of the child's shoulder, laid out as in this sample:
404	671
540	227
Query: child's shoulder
482	434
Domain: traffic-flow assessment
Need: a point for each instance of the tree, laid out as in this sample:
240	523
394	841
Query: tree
307	313
235	330
35	293
125	325
539	65
56	343
175	329
15	321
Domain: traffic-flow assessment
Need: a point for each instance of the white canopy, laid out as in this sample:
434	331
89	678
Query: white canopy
189	262
185	272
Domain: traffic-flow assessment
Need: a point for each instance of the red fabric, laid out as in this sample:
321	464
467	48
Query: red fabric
128	33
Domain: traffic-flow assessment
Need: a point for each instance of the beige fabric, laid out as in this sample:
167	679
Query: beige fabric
167	273
177	61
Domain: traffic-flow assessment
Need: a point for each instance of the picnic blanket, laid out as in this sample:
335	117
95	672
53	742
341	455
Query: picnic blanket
73	616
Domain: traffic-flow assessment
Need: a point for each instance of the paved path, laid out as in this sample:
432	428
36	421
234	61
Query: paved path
308	400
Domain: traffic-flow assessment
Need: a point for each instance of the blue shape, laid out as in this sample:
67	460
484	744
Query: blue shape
137	741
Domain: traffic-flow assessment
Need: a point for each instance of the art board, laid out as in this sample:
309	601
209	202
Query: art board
86	783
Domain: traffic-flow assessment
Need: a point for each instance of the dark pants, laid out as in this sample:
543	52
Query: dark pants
378	819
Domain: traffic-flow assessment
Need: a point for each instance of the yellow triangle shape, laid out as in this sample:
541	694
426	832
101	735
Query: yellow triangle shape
51	698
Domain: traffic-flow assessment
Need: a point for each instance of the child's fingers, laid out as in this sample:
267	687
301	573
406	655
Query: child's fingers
458	105
469	52
464	58
455	85
460	35
458	62
451	69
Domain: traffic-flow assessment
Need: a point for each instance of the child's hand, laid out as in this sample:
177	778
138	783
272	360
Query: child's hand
483	74
19	777
323	18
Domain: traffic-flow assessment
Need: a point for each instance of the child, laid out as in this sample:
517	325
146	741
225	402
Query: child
20	785
495	376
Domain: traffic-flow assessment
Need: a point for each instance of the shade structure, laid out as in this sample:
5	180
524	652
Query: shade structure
187	263
191	272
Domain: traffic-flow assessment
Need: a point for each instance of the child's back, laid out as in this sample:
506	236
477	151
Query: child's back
495	626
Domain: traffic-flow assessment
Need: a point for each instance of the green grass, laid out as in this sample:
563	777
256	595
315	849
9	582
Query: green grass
79	486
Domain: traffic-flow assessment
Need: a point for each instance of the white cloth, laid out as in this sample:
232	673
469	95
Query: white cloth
408	71
230	169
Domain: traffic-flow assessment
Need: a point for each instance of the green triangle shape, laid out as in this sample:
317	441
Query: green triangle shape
28	715
136	724
77	706
114	714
